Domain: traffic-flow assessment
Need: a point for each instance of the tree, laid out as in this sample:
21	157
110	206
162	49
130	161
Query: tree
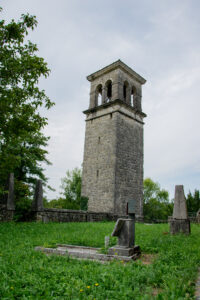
22	142
152	190
71	186
193	201
156	201
71	192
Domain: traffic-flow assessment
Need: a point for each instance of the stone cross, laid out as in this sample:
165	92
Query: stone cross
37	204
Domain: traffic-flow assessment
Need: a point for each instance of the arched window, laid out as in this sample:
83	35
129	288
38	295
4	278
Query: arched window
125	91
108	90
99	95
133	94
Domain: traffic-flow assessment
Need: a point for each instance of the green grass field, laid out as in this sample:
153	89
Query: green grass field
27	274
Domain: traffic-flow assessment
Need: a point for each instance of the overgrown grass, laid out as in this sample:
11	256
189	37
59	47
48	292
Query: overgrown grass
27	274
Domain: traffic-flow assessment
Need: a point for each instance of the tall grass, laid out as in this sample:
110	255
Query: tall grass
27	274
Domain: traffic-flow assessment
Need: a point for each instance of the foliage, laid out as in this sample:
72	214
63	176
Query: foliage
62	204
21	139
155	210
152	190
156	201
23	201
71	186
27	274
193	202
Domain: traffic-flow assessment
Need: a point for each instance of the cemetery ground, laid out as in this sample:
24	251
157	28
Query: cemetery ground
167	269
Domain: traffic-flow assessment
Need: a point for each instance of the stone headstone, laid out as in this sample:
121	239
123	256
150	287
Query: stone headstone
37	204
179	222
10	197
125	231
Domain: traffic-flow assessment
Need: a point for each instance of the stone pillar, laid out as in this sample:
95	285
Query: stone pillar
92	100
103	95
179	222
37	204
128	96
10	198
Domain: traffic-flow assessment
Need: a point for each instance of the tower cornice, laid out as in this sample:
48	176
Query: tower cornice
117	65
112	103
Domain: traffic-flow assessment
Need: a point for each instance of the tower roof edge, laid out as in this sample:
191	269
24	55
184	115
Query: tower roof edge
116	65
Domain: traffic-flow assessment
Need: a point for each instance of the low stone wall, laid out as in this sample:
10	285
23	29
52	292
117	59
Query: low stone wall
194	220
154	221
5	214
67	215
59	215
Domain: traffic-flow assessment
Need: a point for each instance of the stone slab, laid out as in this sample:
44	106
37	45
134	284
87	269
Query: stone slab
82	252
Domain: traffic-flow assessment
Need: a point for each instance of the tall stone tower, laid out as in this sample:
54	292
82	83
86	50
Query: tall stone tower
113	151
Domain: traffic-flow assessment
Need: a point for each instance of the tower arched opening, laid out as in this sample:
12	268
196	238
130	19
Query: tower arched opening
99	95
108	91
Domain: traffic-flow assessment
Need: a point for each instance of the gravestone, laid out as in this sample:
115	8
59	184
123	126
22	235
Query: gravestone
179	222
125	231
37	204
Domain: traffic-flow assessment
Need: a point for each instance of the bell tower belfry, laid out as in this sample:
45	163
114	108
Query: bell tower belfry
113	150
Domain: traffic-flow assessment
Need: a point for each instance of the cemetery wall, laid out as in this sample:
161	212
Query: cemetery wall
5	214
67	215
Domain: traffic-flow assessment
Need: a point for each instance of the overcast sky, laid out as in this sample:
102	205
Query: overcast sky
159	39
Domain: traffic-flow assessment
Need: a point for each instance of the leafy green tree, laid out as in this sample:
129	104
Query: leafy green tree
156	201
193	202
71	186
152	190
22	143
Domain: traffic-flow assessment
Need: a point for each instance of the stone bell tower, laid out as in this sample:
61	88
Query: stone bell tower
113	151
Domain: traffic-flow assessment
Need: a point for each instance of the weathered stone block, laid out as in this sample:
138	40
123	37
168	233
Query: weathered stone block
179	226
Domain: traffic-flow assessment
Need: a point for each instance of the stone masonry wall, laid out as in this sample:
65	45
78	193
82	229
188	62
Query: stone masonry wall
113	159
129	164
5	214
98	180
